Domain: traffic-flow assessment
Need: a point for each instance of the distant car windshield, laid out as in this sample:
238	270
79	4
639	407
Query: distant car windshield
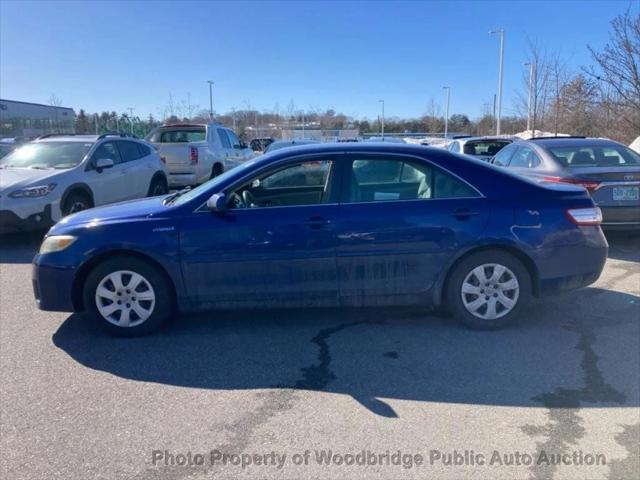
595	156
179	135
59	155
288	143
485	148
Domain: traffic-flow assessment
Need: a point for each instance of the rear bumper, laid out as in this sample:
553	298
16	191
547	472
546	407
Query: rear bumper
570	267
52	286
620	215
10	222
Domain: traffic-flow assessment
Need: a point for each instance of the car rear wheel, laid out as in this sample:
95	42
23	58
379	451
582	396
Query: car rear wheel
488	289
216	170
127	297
75	202
158	187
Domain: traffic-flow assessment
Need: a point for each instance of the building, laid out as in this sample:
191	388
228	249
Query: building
321	135
24	119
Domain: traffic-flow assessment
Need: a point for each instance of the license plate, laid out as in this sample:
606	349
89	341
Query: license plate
626	193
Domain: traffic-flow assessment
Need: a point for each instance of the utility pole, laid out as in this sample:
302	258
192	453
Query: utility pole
382	123
210	99
131	109
500	32
446	118
531	67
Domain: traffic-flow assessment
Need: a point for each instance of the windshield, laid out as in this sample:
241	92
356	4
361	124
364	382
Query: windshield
487	148
211	184
58	155
595	156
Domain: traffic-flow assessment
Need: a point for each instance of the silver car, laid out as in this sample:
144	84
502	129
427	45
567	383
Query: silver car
608	170
482	148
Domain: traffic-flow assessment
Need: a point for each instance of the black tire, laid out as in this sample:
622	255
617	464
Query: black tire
216	170
158	187
160	312
76	202
454	295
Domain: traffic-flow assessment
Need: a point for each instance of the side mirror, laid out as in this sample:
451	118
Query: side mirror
103	163
217	202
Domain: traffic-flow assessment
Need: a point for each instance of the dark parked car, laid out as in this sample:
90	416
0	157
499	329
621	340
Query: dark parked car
608	170
482	148
260	144
327	225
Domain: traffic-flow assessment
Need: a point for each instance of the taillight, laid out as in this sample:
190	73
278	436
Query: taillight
588	184
194	155
585	216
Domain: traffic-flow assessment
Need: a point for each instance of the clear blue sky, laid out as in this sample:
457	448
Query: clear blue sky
113	55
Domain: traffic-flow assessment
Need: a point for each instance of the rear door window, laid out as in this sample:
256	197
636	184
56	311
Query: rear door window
235	142
224	139
524	157
128	151
503	156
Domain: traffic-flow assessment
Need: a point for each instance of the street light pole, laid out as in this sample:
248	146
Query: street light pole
500	32
382	124
530	65
446	118
210	99
131	109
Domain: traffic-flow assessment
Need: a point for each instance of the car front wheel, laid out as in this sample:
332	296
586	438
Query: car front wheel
127	297
488	289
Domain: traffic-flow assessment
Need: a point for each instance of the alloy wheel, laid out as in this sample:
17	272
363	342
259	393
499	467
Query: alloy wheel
490	291
125	298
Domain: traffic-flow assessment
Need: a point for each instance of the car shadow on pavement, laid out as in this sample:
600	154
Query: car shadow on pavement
624	245
19	247
563	353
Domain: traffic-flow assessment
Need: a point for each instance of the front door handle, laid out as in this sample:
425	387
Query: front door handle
317	222
464	214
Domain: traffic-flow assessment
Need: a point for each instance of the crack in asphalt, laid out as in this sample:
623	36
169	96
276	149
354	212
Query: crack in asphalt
316	377
565	426
628	467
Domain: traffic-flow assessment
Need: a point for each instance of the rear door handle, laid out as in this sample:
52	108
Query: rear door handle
317	222
464	213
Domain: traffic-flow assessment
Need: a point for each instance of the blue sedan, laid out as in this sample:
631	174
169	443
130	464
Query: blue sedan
327	225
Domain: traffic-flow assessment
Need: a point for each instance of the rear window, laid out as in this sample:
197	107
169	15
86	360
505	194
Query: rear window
484	148
595	156
182	135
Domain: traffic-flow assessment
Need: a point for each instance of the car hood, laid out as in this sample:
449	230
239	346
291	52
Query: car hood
124	211
11	178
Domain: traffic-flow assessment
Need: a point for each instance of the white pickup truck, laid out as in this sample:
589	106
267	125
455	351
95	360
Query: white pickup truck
194	153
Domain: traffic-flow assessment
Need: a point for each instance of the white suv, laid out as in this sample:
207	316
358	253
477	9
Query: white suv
195	153
56	175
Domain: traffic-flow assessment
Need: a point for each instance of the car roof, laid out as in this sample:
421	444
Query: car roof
69	138
570	141
486	138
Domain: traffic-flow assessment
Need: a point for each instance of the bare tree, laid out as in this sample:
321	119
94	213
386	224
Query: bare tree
618	65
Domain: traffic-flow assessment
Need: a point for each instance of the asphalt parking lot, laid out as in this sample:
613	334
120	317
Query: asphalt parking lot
274	385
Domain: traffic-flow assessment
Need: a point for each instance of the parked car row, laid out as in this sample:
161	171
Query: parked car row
195	153
609	171
57	175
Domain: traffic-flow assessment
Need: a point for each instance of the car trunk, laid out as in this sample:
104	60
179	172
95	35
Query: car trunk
177	154
615	190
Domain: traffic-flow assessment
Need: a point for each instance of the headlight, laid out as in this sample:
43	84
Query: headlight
56	243
33	192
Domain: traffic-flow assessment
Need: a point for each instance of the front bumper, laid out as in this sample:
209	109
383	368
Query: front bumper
52	286
10	222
